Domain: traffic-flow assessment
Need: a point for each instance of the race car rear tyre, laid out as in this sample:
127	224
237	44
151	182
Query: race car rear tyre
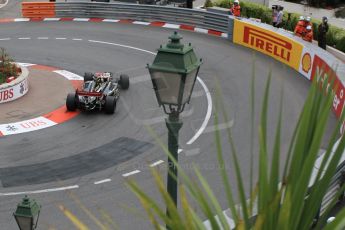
110	105
88	76
71	102
124	81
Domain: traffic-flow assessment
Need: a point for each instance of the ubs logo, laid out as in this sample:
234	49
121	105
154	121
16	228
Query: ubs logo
267	42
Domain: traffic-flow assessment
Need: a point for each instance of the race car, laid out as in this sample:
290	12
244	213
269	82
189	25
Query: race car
100	91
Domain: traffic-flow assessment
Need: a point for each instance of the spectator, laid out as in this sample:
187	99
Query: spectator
300	27
308	22
280	17
308	34
236	9
322	30
274	15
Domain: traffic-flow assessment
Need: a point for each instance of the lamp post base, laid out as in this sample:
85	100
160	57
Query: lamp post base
174	125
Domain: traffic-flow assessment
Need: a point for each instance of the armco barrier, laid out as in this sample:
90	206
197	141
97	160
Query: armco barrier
38	9
199	18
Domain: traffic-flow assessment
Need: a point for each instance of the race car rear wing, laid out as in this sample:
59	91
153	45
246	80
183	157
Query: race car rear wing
92	94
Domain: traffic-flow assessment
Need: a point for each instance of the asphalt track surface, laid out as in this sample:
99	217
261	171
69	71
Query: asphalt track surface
93	154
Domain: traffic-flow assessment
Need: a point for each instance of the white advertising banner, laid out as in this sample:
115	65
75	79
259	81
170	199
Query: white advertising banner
25	126
14	92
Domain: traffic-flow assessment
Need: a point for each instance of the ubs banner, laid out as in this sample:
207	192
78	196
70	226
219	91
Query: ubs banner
14	92
268	42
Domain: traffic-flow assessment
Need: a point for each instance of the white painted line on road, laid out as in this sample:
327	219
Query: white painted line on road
40	191
102	181
156	163
200	30
24	38
3	5
124	46
69	75
111	20
25	64
77	39
22	19
208	113
81	19
141	23
131	173
5	39
179	151
60	38
171	26
51	19
42	38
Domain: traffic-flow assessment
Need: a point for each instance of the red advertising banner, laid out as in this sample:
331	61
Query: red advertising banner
322	71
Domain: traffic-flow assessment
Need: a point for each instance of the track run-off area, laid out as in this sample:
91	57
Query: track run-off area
86	160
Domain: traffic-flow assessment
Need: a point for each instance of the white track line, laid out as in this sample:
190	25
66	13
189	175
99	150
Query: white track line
179	151
3	5
24	38
22	19
81	19
60	38
124	46
40	191
131	173
200	30
51	19
111	20
208	114
171	26
42	38
156	163
141	23
102	181
5	39
77	39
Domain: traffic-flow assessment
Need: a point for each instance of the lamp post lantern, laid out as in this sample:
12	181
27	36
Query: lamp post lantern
27	214
173	74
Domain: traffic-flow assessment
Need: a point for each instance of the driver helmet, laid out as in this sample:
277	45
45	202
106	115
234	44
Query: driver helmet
99	80
324	19
308	19
236	2
301	18
308	28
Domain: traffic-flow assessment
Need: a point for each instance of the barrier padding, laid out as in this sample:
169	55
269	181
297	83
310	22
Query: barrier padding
38	9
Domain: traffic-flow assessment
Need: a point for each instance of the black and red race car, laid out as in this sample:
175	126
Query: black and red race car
100	91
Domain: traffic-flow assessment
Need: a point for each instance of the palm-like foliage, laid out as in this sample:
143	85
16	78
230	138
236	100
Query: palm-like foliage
286	202
7	66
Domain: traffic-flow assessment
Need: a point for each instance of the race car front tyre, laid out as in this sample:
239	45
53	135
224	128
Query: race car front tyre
71	102
124	81
88	76
110	105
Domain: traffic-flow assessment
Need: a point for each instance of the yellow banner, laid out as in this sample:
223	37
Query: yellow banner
268	42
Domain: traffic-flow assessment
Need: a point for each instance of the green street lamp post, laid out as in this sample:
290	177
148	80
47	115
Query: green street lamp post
27	214
173	74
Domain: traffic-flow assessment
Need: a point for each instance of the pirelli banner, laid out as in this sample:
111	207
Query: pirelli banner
268	42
